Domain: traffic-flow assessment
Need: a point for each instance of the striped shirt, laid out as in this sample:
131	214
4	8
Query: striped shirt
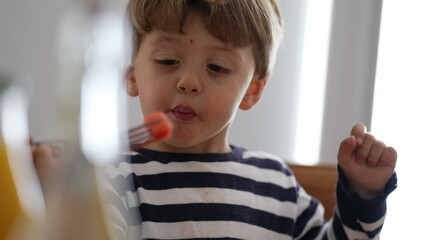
243	194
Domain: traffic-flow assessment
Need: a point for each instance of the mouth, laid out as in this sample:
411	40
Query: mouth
183	112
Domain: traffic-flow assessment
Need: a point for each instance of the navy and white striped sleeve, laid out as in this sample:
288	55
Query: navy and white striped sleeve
117	196
354	217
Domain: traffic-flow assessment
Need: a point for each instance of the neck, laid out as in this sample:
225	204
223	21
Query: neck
200	148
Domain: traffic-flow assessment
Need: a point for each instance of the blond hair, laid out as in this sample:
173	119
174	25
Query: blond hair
241	23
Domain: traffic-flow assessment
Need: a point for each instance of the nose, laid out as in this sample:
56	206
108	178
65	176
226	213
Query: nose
189	82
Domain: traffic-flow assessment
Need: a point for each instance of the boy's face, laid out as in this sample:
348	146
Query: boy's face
199	81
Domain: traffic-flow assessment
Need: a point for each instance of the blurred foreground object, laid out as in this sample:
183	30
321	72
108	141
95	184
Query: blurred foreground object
90	60
90	117
22	208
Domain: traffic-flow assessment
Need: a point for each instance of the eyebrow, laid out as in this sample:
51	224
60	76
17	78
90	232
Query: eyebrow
228	50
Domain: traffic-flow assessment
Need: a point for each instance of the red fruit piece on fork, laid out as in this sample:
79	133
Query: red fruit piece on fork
156	126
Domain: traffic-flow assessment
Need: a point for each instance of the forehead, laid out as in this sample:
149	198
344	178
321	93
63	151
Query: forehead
196	39
193	31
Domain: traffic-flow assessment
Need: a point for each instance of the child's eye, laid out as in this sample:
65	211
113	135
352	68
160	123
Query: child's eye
217	68
168	62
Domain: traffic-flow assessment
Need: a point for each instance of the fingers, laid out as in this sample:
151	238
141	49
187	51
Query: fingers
44	151
48	163
363	150
43	161
375	153
358	131
388	157
346	149
349	146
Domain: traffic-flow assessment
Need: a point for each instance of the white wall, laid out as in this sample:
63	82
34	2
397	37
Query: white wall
27	31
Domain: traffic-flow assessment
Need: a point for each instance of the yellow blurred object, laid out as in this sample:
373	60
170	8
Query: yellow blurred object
9	208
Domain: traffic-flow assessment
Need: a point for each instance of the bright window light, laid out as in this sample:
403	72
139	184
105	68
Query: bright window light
313	81
399	112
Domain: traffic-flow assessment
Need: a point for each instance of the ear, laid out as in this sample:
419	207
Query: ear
254	92
131	86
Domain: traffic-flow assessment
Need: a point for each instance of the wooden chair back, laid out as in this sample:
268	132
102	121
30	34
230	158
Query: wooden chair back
320	182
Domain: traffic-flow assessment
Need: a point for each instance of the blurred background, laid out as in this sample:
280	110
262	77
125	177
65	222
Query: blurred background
342	62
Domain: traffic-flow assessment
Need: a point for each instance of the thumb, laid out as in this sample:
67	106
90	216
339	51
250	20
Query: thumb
346	150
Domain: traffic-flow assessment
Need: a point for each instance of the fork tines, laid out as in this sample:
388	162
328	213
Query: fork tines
141	135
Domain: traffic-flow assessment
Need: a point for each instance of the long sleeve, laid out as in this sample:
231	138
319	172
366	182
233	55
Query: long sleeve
360	218
354	217
124	222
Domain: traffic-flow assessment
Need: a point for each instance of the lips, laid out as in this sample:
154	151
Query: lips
183	112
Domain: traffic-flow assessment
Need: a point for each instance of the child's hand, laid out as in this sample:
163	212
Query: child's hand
366	162
47	162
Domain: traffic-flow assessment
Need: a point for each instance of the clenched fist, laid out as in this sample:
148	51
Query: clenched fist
366	162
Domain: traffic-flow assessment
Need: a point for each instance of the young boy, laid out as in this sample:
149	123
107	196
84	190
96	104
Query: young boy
200	61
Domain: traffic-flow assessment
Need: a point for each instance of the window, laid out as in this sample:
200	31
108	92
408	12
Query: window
310	107
399	112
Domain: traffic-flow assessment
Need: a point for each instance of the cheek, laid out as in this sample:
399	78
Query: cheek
226	103
240	92
154	97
